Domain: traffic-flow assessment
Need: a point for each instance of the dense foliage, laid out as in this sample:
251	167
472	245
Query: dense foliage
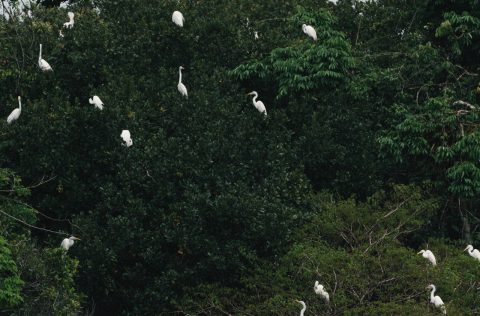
369	153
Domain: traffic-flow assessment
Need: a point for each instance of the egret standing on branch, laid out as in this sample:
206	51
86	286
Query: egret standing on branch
125	135
70	23
96	101
427	254
15	113
181	87
304	307
68	242
473	252
177	18
42	63
319	289
310	31
436	300
258	104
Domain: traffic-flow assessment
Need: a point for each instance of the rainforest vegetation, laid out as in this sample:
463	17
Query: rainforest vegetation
369	153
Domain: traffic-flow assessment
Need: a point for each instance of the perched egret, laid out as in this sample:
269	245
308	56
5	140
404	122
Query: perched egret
60	34
304	307
255	34
319	289
177	18
97	102
181	87
125	135
436	300
258	104
42	63
333	1
15	113
68	242
473	252
427	254
70	23
310	31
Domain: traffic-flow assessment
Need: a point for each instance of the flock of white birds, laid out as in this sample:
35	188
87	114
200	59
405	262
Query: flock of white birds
435	300
178	19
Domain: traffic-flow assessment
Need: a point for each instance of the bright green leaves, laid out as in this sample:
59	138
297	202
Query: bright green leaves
460	29
306	64
10	282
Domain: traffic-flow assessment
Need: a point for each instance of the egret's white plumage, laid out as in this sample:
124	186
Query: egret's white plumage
473	252
181	87
125	135
42	63
15	113
258	104
333	1
320	290
427	254
68	242
436	300
70	23
304	307
96	102
177	18
255	34
310	31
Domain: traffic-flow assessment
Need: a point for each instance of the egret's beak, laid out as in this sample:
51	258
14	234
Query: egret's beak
465	249
77	238
419	252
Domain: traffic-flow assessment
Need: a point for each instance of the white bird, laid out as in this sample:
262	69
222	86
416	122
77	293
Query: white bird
125	135
255	34
310	31
60	34
15	113
177	18
319	289
181	87
68	242
97	102
427	254
333	1
436	300
473	252
304	307
258	104
70	23
42	63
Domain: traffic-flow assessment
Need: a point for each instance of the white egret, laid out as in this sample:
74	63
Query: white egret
177	18
42	63
15	113
181	87
333	1
436	300
304	307
258	104
319	289
125	135
68	242
310	31
427	254
60	34
70	23
255	34
473	252
97	102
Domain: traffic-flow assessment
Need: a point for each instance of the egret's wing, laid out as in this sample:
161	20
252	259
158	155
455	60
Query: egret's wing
125	134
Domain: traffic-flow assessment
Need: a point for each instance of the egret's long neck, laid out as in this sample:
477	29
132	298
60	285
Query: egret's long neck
432	294
255	98
179	75
302	312
20	105
40	53
470	252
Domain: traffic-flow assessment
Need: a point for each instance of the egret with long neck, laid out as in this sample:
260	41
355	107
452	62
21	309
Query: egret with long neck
473	252
181	87
15	113
258	104
436	300
42	63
